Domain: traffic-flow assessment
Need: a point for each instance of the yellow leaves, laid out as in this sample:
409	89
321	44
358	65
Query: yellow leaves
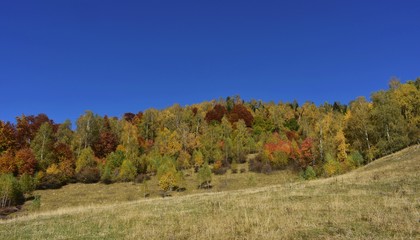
120	148
168	142
341	146
198	158
53	169
167	181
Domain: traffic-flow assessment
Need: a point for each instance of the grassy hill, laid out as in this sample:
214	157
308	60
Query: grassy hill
378	201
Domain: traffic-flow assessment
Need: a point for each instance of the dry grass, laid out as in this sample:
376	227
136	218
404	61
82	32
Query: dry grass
378	201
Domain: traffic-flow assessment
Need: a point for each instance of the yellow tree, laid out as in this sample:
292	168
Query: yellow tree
342	146
168	142
129	140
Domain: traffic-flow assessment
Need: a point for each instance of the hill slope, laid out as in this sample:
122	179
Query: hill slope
378	201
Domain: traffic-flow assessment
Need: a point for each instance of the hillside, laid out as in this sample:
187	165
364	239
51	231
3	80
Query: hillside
377	201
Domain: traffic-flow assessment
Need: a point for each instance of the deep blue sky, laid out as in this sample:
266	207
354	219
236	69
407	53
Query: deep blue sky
64	57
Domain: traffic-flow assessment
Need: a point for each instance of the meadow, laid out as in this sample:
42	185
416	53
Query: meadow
378	201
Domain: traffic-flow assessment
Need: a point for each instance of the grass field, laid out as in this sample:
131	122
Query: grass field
378	201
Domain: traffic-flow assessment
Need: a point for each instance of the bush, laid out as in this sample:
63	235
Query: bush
266	169
88	175
49	181
280	160
309	173
234	167
27	183
167	181
220	171
85	160
106	176
255	165
357	158
36	203
141	178
204	176
332	167
128	171
10	191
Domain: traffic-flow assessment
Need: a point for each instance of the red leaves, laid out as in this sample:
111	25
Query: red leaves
25	161
301	154
306	155
238	112
216	114
7	136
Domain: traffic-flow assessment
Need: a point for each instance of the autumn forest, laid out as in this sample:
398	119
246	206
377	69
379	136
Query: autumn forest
208	138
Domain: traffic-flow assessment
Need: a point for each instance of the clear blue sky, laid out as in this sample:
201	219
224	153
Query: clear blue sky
64	57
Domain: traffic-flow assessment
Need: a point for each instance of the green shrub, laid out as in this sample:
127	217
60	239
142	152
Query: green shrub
106	176
280	160
309	173
115	159
10	191
357	158
27	184
85	160
331	167
234	167
36	202
128	171
204	176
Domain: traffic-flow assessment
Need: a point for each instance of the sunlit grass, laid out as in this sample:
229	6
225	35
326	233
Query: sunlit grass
378	201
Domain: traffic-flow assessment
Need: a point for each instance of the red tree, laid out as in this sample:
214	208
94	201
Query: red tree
216	114
239	111
25	161
7	137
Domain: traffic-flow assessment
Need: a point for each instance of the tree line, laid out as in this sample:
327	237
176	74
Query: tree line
212	137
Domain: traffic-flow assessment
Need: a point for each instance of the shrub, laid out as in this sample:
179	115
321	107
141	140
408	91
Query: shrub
309	173
234	167
357	158
220	171
48	181
266	169
167	181
88	175
280	160
255	165
204	176
85	160
218	168
27	183
106	176
10	191
115	159
331	167
127	171
36	203
141	178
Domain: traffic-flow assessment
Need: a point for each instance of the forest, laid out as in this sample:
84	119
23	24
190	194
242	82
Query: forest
208	138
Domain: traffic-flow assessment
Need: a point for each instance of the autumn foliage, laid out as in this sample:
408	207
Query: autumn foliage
211	138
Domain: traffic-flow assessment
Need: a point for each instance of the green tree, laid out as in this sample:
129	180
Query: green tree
129	140
87	132
64	133
204	176
359	126
86	159
43	146
128	171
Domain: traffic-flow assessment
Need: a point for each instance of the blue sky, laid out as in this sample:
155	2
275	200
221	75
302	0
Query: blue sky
64	57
